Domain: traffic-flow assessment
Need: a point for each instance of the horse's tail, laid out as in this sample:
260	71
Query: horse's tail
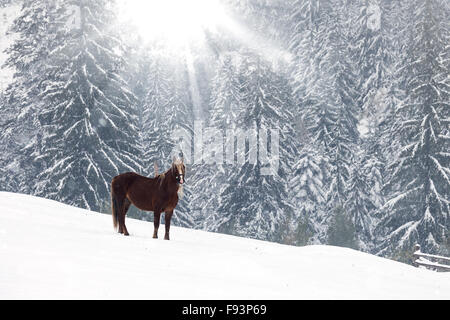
115	207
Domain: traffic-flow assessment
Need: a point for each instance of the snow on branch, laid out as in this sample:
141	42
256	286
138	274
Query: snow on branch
396	200
441	170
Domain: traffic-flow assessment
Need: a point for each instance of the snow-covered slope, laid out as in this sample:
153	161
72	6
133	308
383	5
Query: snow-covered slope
51	250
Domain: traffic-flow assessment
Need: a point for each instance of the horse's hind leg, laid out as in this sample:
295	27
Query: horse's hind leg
126	206
118	197
122	208
121	218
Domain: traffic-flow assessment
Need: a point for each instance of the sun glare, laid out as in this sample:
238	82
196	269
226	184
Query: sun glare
177	22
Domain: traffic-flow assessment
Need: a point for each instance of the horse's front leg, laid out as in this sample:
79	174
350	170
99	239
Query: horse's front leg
156	218
167	218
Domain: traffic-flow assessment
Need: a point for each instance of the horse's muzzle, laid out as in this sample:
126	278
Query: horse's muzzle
180	179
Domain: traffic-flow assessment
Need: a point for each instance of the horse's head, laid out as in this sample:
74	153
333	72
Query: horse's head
179	170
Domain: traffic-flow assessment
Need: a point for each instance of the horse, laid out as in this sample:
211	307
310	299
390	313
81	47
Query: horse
158	194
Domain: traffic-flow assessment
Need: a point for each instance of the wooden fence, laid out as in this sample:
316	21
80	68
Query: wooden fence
430	261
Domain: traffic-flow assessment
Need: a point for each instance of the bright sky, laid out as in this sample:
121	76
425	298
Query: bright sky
181	24
178	21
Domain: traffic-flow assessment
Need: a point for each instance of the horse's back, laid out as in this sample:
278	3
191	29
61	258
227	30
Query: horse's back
140	190
123	181
124	178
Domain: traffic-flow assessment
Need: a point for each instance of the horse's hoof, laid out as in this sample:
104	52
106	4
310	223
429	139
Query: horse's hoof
155	237
166	238
126	234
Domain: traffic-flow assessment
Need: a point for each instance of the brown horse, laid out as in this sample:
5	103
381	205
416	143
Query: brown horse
158	194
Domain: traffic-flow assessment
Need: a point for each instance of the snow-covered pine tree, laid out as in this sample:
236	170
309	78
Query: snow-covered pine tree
375	57
314	120
89	131
341	231
38	28
338	81
304	44
256	205
8	175
159	115
371	53
360	205
226	100
418	207
307	194
371	59
269	19
330	104
210	177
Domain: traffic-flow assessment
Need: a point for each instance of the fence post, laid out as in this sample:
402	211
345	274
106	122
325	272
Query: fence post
429	260
416	250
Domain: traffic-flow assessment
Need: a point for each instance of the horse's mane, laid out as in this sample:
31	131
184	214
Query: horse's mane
162	176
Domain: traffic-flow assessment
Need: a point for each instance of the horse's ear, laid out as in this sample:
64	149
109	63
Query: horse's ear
174	159
156	168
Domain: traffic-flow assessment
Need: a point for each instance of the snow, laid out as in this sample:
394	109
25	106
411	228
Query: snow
50	250
374	14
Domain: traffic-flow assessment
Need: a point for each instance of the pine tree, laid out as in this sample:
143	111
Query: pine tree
341	231
256	204
307	192
418	208
339	84
226	101
375	58
38	27
89	130
359	204
372	55
371	65
329	102
159	113
304	44
324	81
210	176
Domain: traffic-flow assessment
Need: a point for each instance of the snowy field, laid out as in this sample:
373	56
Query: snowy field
49	250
